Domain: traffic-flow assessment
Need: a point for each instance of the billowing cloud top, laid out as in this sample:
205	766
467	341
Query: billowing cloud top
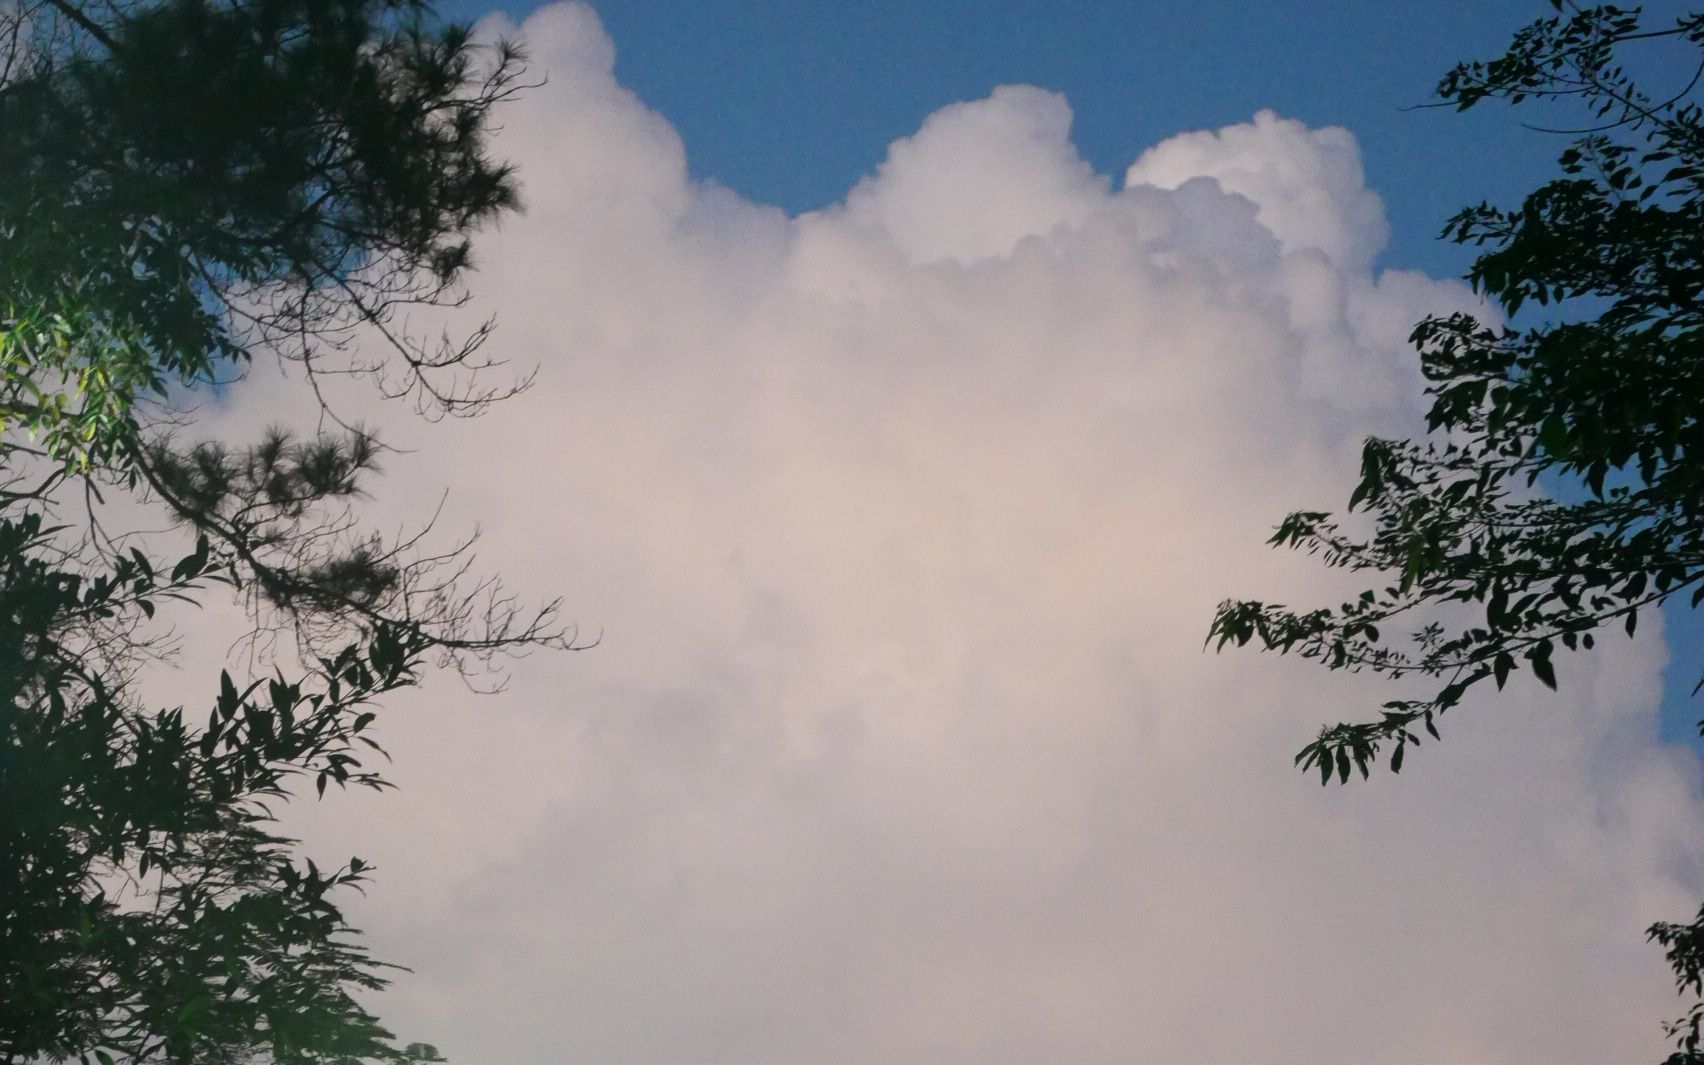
903	522
1306	184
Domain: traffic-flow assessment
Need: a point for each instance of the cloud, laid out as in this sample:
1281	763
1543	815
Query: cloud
1306	183
917	197
902	522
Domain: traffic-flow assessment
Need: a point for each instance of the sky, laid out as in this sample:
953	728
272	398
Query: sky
913	380
788	110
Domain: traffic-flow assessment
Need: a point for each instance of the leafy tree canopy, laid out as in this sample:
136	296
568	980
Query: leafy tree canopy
189	184
1560	490
188	181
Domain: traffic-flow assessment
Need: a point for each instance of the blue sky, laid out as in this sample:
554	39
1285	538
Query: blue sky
729	77
790	103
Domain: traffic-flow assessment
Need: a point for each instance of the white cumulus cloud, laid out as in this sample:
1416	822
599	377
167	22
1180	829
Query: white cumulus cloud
902	522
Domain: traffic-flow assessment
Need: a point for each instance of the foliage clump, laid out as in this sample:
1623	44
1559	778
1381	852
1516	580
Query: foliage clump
190	184
1561	488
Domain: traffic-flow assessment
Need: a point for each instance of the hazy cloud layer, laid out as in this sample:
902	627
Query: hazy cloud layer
903	522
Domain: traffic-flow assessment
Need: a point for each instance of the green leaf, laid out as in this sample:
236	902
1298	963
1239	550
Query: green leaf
1541	667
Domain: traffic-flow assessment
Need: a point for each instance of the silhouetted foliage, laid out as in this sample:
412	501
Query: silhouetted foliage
146	909
187	185
1561	490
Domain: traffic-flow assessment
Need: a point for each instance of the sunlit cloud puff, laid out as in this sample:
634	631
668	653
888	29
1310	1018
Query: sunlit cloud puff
902	522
